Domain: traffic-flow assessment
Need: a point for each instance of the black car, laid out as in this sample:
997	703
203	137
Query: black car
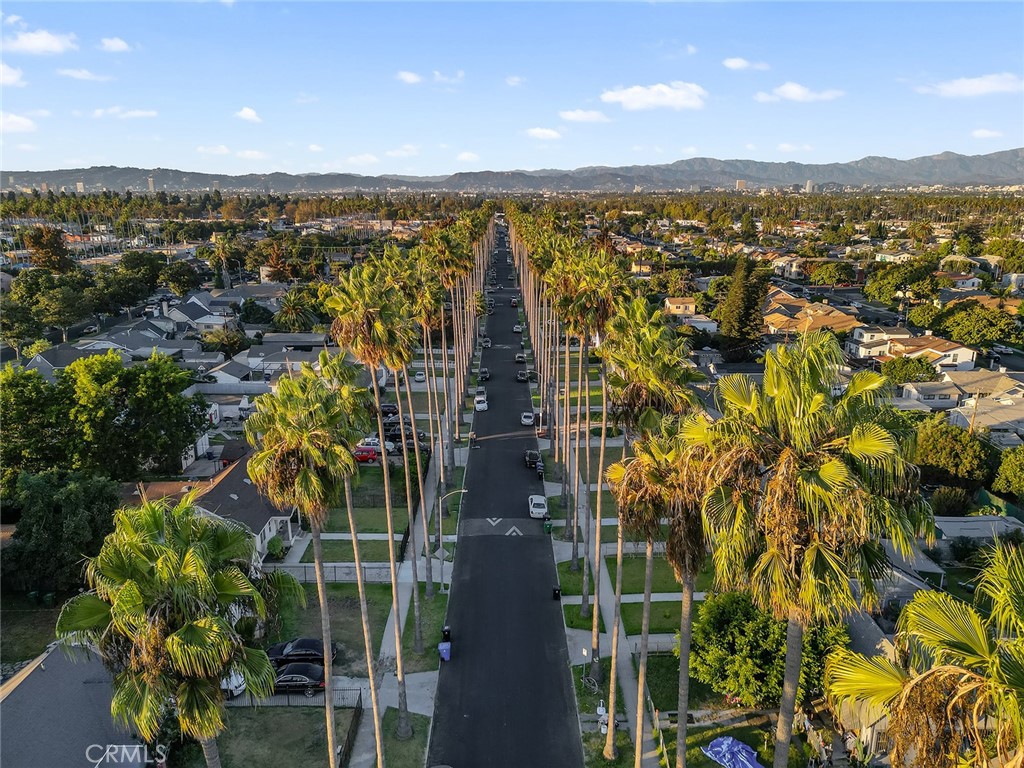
522	376
395	433
531	457
306	649
300	677
485	375
388	409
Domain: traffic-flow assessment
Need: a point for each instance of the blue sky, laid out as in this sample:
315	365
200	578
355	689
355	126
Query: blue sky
436	88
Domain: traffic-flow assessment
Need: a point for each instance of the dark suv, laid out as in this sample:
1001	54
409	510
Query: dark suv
485	375
531	457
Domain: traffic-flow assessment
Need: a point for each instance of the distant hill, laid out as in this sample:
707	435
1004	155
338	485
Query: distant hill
948	168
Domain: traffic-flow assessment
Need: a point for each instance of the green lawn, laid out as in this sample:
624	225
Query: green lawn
588	701
409	753
952	582
340	551
346	622
573	620
298	736
662	580
432	615
571	581
555	506
664	617
751	735
368	519
26	628
663	683
593	750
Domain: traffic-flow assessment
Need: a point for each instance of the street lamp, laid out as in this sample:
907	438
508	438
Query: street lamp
440	538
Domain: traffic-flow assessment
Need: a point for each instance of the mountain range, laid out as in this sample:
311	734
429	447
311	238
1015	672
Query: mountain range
948	168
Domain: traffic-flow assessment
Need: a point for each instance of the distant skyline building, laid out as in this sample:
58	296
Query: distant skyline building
741	184
44	187
809	187
216	185
80	187
152	185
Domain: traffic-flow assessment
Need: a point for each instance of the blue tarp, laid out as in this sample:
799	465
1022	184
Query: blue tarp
725	750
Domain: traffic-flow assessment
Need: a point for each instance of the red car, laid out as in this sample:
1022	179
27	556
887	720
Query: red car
366	453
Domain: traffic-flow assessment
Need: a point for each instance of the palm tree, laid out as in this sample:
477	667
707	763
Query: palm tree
365	321
807	482
165	593
301	461
961	675
295	313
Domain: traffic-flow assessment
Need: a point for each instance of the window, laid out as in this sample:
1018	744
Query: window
955	356
929	397
943	397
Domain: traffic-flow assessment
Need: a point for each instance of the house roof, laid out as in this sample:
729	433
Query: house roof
231	368
983	381
56	708
233	495
934	388
190	310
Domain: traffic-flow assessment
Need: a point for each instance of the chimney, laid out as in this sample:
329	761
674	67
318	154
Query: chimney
164	307
928	332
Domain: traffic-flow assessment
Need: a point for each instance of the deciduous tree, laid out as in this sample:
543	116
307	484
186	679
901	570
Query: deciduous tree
950	455
48	249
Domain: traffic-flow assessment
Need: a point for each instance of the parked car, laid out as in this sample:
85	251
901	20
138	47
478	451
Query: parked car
300	677
374	442
1002	350
233	685
484	375
531	457
90	329
395	434
388	409
522	376
410	447
306	649
538	506
520	357
366	453
526	418
513	302
517	328
480	403
420	377
486	342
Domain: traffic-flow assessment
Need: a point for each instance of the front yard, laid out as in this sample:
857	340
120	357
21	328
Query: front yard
270	737
27	628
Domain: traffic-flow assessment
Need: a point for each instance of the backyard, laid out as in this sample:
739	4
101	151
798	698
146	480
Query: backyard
27	627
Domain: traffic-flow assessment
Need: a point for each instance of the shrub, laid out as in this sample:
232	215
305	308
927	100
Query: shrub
275	548
949	500
963	549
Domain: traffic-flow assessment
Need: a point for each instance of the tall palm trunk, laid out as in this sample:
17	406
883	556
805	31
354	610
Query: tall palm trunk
790	681
685	635
595	635
365	616
460	393
611	749
641	675
576	463
417	636
404	727
325	634
569	517
211	752
585	599
450	445
432	411
429	575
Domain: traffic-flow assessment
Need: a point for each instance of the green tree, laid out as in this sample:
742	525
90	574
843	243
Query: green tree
806	483
144	265
18	326
951	455
63	307
739	315
181	277
748	230
923	315
255	314
63	518
37	348
976	325
739	650
888	283
832	272
165	592
903	370
48	250
225	340
1010	477
295	313
114	291
954	695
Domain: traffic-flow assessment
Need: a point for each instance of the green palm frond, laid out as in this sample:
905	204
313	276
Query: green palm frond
1002	586
230	585
739	391
948	629
128	611
85	613
257	671
201	648
140	701
853	677
201	707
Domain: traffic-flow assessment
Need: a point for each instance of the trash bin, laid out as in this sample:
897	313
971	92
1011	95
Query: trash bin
556	592
445	650
547	526
446	634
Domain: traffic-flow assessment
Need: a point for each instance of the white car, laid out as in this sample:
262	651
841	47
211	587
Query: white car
374	442
526	419
480	403
420	376
90	329
538	506
1002	350
233	685
517	328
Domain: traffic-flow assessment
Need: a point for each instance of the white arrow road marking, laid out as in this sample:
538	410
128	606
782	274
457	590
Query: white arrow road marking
513	531
493	520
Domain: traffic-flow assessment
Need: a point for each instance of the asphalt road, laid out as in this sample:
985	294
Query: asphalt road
506	697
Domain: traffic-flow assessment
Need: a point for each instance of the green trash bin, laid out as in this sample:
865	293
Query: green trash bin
547	526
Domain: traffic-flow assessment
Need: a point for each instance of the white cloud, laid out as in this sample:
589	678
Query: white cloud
306	98
123	114
985	133
583	116
40	42
786	147
11	123
114	45
12	19
795	92
739	63
251	154
966	87
691	49
10	76
249	115
364	159
467	157
514	80
453	80
406	150
83	74
215	149
675	95
543	133
409	78
315	148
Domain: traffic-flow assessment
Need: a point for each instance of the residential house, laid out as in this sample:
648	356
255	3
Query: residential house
960	280
784	314
936	395
789	267
265	361
195	317
56	712
233	496
680	306
233	372
1001	415
869	341
52	361
642	267
943	354
684	312
894	257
